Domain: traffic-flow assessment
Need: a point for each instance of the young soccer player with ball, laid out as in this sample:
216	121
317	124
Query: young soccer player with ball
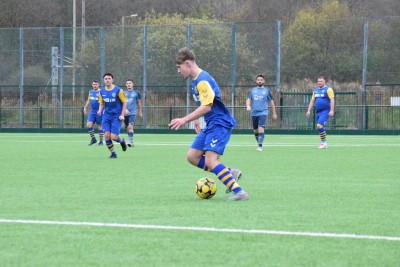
211	141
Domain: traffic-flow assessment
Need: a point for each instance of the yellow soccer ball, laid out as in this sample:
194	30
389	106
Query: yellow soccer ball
206	188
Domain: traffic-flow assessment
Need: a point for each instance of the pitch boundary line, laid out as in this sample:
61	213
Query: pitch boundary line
205	229
231	145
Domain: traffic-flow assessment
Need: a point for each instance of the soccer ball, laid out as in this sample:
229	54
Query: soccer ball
205	188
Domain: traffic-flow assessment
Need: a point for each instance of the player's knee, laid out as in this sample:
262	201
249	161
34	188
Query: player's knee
192	159
320	126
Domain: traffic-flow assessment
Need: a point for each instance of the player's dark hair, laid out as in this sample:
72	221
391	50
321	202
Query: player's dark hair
260	75
183	55
108	74
95	81
129	80
321	77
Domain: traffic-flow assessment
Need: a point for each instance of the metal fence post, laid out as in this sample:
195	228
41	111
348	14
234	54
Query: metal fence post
40	117
83	119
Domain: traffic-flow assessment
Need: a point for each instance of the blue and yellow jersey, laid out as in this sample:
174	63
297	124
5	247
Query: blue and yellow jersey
112	100
132	104
321	98
205	92
259	100
93	97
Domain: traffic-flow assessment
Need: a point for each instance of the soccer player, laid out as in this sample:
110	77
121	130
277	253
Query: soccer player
133	106
211	141
93	118
113	100
257	103
324	99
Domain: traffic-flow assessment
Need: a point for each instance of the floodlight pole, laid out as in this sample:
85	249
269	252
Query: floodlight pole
73	47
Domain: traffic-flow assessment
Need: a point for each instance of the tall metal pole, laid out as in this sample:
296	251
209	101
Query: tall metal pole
278	67
278	57
364	74
144	76
188	81
73	47
233	68
102	55
61	76
83	42
21	78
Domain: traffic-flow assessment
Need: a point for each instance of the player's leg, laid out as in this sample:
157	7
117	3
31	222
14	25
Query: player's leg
125	122
115	130
225	175
262	121
89	125
215	142
254	122
131	132
106	123
100	129
101	134
195	154
322	119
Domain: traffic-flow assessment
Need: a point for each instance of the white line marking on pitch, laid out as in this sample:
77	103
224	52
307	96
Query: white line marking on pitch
205	229
231	145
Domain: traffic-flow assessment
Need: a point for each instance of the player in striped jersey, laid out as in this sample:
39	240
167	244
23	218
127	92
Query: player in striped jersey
113	100
211	141
324	100
93	118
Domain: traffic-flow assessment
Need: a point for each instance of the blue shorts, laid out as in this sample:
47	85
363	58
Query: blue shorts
111	123
322	117
214	138
130	119
94	118
259	121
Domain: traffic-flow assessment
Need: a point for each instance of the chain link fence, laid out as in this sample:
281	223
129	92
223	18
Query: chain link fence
46	72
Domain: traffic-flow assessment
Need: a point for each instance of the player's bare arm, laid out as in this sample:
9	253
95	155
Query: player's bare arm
274	116
309	108
248	104
100	109
85	107
332	110
140	110
197	127
122	116
177	123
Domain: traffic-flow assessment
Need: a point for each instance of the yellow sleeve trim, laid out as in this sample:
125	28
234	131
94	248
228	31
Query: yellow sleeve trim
330	93
122	96
206	93
313	97
101	101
